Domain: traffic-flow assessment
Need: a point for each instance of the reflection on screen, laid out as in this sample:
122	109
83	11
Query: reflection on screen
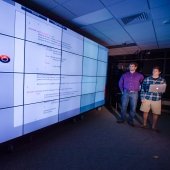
89	67
39	115
72	42
72	109
41	87
87	102
48	73
101	68
70	86
99	99
71	64
41	31
100	86
42	59
90	48
88	85
102	55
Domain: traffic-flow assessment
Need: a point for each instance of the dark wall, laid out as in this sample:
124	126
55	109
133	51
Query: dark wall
117	65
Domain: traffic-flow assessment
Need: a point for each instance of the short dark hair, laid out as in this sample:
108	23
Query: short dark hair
157	67
133	63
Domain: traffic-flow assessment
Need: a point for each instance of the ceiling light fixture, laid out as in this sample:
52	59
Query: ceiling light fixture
166	21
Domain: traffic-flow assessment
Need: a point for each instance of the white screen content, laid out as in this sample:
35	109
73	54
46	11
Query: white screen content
99	96
89	67
72	42
100	86
8	50
72	109
39	115
71	64
88	85
101	69
70	86
49	73
90	48
41	87
103	54
42	59
9	18
87	102
40	111
41	31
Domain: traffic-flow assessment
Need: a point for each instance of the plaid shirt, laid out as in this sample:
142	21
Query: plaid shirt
145	94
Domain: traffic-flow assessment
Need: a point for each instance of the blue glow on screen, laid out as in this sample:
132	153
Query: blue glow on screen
90	48
87	102
48	73
101	68
72	109
89	67
100	86
88	85
103	53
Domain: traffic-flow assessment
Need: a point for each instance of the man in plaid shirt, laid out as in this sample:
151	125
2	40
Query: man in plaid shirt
151	100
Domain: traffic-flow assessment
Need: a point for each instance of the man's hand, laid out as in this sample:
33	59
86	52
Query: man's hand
143	100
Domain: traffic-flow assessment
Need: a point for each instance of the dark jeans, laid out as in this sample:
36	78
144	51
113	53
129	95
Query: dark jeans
129	98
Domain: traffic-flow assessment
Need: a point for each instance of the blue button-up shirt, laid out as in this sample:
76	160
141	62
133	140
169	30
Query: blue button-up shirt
145	94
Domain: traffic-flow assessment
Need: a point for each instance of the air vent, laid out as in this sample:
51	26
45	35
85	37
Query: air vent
135	19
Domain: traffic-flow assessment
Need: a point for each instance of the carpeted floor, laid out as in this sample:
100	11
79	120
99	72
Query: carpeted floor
95	143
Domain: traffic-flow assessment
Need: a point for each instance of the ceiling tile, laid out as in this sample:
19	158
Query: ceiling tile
143	32
80	7
161	12
157	3
61	1
164	44
163	22
99	35
93	17
128	7
62	12
113	29
147	45
110	2
163	33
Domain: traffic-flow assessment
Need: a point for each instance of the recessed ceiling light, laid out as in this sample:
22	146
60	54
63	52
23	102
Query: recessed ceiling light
166	21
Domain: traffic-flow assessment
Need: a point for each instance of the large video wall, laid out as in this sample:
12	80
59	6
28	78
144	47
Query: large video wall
48	73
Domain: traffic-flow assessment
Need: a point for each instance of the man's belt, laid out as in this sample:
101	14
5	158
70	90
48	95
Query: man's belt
130	91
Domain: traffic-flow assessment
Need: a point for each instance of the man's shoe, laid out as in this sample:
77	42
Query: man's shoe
156	130
120	121
131	123
144	126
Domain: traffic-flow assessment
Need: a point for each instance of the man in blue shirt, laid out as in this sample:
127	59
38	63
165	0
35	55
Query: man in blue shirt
151	100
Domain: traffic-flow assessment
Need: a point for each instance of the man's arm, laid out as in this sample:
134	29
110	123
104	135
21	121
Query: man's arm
121	81
142	93
163	82
142	78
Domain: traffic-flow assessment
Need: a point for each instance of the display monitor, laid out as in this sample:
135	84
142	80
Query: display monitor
48	72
